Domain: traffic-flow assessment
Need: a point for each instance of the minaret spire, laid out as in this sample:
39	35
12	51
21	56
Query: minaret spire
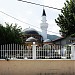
44	25
44	14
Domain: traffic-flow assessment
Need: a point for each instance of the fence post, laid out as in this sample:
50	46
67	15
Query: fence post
73	52
63	52
34	50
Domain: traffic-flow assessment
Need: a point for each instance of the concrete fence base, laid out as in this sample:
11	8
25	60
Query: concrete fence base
37	67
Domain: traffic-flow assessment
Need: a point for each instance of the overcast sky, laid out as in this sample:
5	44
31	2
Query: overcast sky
31	14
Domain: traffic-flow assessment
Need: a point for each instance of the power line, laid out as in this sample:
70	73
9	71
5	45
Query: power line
13	17
39	4
24	22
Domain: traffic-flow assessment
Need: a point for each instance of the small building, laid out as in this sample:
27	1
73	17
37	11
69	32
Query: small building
65	45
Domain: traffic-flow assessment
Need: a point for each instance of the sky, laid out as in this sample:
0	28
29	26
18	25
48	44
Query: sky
31	15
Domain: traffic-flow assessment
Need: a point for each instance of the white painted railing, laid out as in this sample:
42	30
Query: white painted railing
15	51
19	51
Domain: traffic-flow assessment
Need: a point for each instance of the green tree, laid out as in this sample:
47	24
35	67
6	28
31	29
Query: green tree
10	34
2	34
66	20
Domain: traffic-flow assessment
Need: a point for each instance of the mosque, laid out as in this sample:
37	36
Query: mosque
32	35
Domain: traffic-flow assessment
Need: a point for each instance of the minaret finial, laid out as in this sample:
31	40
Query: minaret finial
44	14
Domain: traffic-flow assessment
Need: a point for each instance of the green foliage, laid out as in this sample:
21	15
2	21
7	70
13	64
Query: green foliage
10	34
66	20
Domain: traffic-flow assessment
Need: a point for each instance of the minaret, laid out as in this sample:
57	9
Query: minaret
44	25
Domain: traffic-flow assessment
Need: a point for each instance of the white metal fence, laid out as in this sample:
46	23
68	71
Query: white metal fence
19	51
15	51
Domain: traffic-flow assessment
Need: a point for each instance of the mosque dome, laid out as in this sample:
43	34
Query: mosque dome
47	40
30	31
31	39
